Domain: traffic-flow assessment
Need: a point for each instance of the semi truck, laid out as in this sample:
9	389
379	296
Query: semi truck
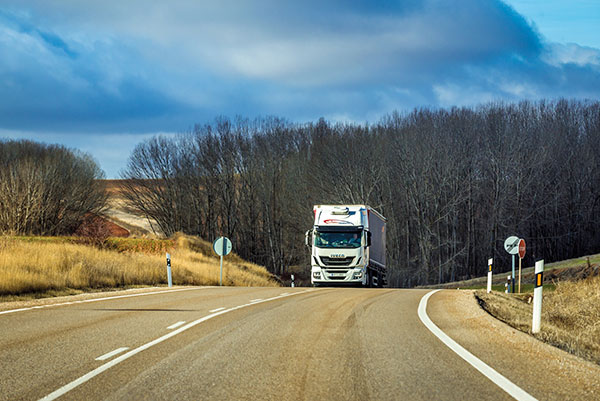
347	245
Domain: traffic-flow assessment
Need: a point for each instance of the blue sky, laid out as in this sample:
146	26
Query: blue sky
101	76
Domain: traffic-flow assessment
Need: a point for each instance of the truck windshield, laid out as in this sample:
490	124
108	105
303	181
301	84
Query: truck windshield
337	240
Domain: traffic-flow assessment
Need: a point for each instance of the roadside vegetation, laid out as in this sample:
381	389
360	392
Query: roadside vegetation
453	183
564	270
570	308
47	266
47	189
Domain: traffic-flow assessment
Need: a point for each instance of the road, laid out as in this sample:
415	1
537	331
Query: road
207	343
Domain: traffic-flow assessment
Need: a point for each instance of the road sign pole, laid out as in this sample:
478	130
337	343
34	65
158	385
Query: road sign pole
537	296
222	246
520	260
522	249
221	276
222	253
511	245
512	285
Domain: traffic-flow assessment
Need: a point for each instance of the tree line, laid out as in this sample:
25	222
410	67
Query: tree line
46	189
453	183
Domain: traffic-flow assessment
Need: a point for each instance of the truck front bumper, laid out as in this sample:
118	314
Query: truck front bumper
336	276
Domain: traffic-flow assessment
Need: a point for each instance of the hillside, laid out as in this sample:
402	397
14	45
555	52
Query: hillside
66	265
570	307
566	270
119	213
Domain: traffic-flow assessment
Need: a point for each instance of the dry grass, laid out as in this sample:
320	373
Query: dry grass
569	269
57	265
570	315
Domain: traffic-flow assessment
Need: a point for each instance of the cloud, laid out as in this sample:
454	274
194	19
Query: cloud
61	83
558	54
313	44
140	66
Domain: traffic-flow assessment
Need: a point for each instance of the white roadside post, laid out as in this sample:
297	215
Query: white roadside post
293	281
169	277
489	283
537	296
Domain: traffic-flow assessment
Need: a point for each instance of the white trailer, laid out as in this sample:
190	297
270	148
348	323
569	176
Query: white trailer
347	246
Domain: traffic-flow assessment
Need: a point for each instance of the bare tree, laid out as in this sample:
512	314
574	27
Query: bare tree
46	189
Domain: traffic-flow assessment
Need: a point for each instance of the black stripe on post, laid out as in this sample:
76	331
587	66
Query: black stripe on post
539	279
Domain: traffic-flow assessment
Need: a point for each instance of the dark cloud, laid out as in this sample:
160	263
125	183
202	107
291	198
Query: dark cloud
140	66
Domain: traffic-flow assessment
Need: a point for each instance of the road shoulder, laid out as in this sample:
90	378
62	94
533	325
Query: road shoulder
543	371
86	296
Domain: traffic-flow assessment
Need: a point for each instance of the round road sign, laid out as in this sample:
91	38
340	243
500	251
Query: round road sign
521	248
511	245
222	246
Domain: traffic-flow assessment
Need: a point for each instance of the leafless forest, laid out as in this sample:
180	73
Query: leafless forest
453	183
46	189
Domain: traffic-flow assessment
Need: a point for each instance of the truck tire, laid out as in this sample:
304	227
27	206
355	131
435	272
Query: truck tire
371	283
380	282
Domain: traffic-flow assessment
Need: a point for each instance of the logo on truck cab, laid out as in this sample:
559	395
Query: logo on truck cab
336	221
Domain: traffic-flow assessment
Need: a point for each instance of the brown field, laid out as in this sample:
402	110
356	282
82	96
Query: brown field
119	213
42	266
570	315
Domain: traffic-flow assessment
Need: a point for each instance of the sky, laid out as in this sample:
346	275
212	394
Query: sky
102	76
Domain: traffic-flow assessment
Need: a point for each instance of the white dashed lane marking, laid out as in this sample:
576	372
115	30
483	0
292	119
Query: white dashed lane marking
112	353
176	325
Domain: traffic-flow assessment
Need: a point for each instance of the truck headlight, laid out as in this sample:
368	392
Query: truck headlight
316	274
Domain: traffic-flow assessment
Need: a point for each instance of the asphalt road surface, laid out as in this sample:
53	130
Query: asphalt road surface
237	344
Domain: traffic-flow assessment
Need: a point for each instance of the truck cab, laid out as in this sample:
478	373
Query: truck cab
340	243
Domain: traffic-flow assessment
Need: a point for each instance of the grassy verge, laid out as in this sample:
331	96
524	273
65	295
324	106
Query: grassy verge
42	266
566	270
570	315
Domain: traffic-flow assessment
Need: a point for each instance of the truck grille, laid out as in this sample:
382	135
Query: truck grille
337	261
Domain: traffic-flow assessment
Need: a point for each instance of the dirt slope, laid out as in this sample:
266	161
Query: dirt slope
119	213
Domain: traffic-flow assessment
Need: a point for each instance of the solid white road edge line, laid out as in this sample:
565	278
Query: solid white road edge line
112	353
98	299
75	383
176	325
512	389
216	310
256	300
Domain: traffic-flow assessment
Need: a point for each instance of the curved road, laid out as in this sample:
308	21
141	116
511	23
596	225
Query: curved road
235	344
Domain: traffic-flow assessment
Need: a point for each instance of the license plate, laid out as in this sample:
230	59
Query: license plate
337	274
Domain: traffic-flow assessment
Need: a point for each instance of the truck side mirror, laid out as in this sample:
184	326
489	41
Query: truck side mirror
306	238
368	238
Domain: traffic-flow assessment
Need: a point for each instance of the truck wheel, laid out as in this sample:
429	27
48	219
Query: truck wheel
371	283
